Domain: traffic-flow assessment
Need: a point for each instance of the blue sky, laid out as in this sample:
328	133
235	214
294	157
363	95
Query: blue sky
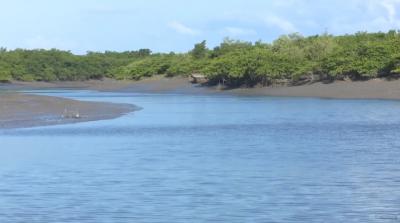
175	25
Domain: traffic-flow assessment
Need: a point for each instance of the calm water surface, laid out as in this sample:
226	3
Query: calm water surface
208	159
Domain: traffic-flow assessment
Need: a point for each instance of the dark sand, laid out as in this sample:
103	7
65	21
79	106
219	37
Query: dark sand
156	84
22	110
372	89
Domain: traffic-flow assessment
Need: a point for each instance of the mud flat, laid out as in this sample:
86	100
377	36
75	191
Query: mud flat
23	110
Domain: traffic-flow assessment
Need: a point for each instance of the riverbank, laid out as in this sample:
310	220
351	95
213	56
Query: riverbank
371	89
155	84
21	110
24	110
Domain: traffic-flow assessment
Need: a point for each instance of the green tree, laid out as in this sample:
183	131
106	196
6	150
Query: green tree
200	50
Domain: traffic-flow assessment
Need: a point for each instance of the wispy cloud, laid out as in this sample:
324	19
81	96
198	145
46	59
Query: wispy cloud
369	15
281	23
183	29
391	9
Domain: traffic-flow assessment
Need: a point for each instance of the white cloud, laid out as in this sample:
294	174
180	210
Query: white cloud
283	24
383	13
236	31
364	15
183	29
391	8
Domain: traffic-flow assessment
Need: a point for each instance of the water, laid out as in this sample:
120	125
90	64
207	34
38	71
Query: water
186	158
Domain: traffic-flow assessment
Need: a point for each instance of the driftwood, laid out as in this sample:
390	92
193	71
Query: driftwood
198	78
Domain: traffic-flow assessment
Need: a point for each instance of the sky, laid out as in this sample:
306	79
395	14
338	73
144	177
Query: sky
175	25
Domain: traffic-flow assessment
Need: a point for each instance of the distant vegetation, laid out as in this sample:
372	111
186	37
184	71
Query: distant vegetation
290	59
53	65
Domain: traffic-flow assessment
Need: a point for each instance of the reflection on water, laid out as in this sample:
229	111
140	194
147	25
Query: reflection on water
208	159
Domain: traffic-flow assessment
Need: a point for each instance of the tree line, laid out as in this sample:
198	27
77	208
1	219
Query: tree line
292	58
58	65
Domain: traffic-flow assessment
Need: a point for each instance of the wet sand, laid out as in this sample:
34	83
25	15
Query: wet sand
23	110
155	84
372	89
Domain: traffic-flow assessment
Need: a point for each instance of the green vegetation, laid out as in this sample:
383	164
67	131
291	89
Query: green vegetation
290	59
53	65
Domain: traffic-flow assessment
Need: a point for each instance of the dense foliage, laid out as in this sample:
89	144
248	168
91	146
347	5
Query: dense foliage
52	65
291	58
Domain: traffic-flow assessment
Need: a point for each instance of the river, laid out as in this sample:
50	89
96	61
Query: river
207	158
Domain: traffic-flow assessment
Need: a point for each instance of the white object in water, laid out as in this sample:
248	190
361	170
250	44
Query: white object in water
77	115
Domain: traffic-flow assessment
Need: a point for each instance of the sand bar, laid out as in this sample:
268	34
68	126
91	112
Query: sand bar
24	110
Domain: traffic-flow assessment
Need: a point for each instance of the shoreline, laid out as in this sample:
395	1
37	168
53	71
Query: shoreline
371	89
375	89
19	110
